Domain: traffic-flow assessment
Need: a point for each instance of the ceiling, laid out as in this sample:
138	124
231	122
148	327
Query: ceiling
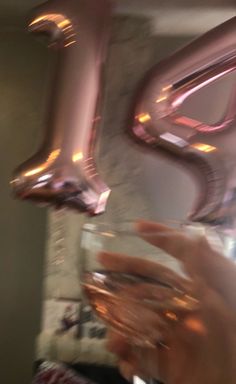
166	15
155	4
137	6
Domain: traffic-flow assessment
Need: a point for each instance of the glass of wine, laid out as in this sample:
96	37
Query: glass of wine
111	293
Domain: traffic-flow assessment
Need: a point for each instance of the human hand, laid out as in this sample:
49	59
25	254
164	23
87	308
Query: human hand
198	347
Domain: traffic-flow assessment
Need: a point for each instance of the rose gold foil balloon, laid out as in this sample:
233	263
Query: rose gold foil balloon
210	149
62	172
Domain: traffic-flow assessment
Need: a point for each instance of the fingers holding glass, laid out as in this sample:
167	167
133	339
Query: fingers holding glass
141	267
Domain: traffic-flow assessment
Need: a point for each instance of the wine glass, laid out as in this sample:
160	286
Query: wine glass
110	293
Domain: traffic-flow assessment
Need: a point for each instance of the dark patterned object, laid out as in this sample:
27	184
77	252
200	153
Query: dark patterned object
53	373
86	315
100	374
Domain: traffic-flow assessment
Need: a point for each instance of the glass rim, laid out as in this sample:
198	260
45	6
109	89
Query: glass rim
127	228
111	229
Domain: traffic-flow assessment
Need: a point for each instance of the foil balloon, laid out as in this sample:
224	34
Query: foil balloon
63	172
208	149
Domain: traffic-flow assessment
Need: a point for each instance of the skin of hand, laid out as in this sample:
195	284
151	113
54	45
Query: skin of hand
199	348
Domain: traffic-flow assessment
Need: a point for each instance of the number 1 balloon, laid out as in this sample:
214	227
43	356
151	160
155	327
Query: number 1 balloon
159	124
62	172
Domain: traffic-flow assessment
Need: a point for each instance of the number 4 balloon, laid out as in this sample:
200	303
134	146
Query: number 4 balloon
159	124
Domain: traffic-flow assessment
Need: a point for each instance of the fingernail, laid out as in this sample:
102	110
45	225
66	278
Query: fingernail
138	226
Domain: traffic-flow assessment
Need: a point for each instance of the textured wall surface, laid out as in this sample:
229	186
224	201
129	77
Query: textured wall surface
120	163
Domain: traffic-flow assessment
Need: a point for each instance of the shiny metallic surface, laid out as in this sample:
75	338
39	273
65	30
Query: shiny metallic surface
62	172
209	149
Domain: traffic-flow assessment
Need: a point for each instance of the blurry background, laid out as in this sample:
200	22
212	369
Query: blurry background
144	31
